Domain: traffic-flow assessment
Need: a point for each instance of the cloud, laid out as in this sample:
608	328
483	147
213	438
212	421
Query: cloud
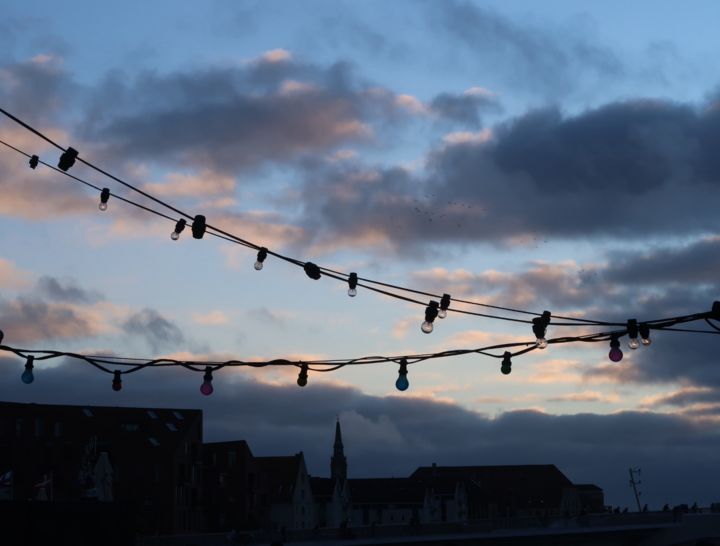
155	329
465	108
11	277
212	318
27	320
586	396
230	118
65	290
627	170
392	435
549	61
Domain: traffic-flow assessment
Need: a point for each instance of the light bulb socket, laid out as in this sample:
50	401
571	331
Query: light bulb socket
180	226
312	270
615	341
262	254
198	226
644	331
715	313
431	311
104	195
506	366
303	375
352	281
34	160
2	336
29	363
632	328
207	376
540	324
117	381
445	302
67	159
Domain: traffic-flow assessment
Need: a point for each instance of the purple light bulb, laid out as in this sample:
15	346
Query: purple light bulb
615	353
206	388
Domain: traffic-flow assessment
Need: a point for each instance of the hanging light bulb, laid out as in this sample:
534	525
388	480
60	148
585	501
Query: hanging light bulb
2	335
402	382
431	312
539	327
644	330
179	227
352	285
67	159
198	226
104	196
34	160
632	330
615	353
506	366
261	255
303	376
444	304
117	381
206	388
27	376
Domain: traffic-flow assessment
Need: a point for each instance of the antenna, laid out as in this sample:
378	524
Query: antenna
634	484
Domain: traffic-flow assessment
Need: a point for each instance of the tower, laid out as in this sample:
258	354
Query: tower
338	462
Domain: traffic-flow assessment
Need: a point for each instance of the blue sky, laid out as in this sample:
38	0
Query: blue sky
564	154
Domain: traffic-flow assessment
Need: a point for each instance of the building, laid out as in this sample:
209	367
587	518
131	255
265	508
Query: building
147	458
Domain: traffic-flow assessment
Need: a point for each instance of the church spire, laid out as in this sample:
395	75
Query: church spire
338	462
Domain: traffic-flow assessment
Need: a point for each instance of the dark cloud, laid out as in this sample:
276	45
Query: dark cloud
66	290
35	89
393	435
630	170
466	108
156	330
229	118
543	60
26	320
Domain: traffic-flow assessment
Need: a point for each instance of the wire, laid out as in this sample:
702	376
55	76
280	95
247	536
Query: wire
217	232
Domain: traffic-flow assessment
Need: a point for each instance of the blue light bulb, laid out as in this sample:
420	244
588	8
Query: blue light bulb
402	382
27	377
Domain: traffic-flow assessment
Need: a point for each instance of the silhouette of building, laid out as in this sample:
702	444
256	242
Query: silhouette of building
149	458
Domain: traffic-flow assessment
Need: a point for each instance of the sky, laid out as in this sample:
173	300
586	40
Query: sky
561	158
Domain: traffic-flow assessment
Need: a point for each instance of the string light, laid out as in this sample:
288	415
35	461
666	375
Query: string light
352	284
303	375
312	270
27	376
644	330
444	304
615	353
632	330
117	381
198	226
67	159
431	311
261	256
34	160
206	388
506	366
104	196
539	326
179	227
402	382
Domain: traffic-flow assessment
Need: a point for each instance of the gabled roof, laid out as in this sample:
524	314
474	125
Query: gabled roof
386	491
521	485
280	475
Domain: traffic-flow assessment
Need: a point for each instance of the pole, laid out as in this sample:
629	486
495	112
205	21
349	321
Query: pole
634	485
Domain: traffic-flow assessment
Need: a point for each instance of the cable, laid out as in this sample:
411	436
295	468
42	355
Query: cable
570	321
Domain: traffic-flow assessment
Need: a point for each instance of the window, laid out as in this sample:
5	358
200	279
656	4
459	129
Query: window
232	458
39	426
88	412
58	429
154	441
152	414
178	415
171	427
129	427
18	427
